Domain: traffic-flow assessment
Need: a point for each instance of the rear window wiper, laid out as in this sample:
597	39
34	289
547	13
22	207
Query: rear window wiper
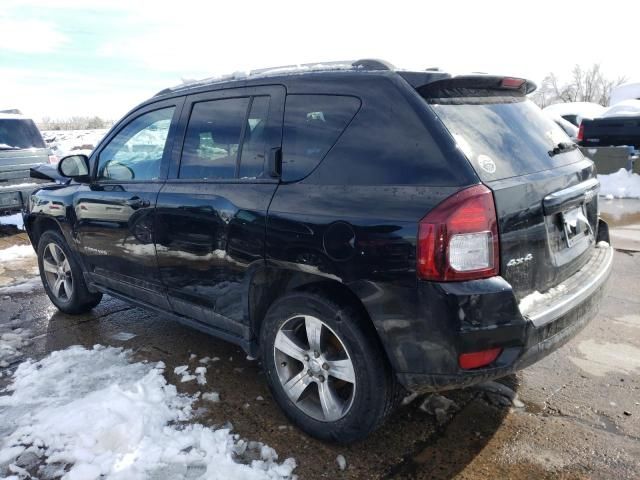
563	147
8	147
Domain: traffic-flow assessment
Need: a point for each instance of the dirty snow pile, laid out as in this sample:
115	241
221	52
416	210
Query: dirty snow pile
622	184
16	252
28	286
11	342
94	413
64	142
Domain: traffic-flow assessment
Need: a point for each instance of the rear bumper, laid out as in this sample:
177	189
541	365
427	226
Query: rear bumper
489	316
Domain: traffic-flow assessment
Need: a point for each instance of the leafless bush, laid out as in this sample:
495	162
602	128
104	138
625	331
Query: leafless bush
74	123
585	85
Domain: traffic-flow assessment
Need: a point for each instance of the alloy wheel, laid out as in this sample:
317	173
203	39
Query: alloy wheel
314	368
57	272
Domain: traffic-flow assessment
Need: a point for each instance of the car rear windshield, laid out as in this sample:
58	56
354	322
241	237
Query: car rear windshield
504	136
19	133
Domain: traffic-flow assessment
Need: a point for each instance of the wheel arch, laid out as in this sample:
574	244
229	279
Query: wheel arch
36	225
270	283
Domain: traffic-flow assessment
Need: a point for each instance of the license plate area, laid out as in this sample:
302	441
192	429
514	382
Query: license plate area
575	225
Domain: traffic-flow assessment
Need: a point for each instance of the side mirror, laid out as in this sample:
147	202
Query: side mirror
75	167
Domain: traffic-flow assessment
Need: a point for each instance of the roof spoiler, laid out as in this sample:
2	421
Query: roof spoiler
476	85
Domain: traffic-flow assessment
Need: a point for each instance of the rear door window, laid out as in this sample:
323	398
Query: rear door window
503	137
312	125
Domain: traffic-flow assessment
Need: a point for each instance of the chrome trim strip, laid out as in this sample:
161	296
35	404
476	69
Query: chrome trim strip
572	300
554	201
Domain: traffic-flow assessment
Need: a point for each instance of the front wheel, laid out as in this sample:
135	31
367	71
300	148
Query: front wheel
325	368
62	276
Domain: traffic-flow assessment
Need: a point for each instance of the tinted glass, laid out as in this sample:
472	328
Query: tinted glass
504	140
136	152
253	147
19	133
212	139
312	124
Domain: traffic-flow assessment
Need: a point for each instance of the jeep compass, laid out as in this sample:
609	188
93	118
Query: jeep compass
365	230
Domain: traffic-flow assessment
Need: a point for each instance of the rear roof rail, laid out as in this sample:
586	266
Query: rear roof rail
373	64
368	64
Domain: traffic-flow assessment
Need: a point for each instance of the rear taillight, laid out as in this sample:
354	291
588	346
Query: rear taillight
458	239
53	159
581	132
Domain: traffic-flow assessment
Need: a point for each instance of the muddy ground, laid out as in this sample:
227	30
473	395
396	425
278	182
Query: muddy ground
581	414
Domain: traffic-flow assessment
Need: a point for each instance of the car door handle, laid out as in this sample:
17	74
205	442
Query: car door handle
137	202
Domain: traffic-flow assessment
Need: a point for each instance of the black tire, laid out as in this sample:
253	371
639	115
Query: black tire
374	393
80	299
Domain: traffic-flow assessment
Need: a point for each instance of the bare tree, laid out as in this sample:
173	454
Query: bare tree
74	123
586	85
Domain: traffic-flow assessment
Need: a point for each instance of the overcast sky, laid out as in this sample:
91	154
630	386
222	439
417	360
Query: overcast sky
92	57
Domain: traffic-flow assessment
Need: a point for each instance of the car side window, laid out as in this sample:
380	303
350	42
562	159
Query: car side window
312	124
253	146
136	151
213	139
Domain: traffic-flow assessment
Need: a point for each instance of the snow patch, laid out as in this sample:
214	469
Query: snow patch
536	298
68	142
621	184
213	397
16	252
15	219
10	344
28	286
95	412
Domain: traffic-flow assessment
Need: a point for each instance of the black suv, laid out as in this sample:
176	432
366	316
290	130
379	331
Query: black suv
364	230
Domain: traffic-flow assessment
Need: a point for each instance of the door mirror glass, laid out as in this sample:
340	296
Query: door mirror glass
75	167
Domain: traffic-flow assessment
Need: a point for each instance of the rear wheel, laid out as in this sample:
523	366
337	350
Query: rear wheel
62	276
325	368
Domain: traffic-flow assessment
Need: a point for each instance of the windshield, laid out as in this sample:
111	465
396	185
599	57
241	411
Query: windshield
504	138
19	133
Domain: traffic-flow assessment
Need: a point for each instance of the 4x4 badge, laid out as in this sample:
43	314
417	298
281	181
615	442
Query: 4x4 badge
519	261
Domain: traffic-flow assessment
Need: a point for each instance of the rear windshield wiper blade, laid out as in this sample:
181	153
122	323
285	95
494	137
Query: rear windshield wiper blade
8	147
563	147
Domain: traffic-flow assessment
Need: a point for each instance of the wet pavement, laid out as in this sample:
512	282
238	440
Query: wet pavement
623	217
579	416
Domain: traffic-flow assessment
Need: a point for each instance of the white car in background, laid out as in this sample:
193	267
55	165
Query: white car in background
626	91
574	112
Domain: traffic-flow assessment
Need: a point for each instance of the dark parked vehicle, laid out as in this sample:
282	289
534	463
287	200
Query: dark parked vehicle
610	130
364	230
21	148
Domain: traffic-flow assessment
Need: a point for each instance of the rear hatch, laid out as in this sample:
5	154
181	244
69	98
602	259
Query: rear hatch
545	191
21	147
